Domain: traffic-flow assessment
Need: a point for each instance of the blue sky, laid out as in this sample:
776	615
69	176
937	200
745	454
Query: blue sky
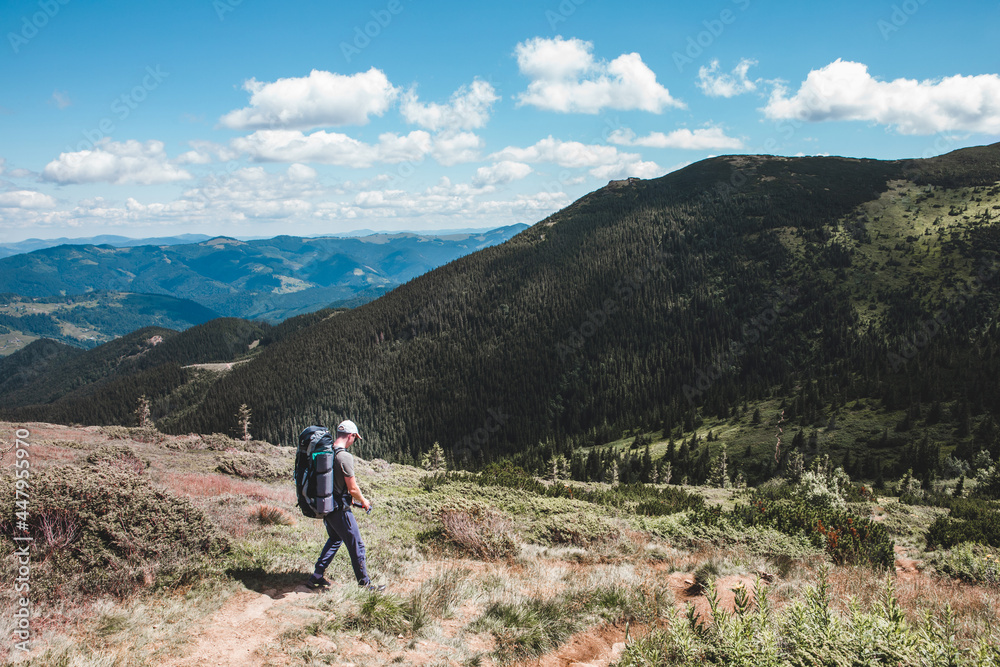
258	117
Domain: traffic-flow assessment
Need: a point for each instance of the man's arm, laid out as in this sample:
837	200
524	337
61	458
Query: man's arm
352	488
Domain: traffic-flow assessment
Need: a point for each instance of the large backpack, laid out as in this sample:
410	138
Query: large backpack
314	472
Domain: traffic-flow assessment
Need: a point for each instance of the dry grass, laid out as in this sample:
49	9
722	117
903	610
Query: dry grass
208	485
484	534
269	515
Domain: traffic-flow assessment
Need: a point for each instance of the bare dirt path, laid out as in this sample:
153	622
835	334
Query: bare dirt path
235	633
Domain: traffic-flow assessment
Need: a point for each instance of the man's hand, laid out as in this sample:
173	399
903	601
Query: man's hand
367	506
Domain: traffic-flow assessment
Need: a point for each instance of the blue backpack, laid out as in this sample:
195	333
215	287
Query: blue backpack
314	472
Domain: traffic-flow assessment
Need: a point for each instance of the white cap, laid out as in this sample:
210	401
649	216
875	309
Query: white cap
347	426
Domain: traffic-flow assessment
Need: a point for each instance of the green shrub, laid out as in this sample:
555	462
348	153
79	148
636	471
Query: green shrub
810	632
105	530
970	562
947	532
846	538
118	456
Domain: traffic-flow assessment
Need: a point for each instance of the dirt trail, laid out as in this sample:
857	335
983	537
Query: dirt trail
906	568
243	625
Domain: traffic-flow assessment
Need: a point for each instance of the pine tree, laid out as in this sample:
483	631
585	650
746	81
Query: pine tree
243	421
720	473
142	412
434	459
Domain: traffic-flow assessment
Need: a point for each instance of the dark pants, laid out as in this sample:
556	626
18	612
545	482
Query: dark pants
343	529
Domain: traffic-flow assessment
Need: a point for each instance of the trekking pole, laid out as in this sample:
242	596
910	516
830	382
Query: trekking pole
357	504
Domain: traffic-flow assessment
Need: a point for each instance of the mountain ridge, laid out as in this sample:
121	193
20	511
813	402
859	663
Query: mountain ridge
591	323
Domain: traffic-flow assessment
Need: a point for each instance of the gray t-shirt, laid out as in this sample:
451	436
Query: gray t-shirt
343	467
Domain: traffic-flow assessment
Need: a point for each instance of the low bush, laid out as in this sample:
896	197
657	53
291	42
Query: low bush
249	465
118	456
970	562
484	534
947	532
105	530
847	539
643	499
810	632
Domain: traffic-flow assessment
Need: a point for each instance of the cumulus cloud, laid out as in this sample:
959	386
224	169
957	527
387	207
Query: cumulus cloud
144	163
570	154
844	90
501	173
332	147
318	100
206	152
715	84
566	77
706	138
468	109
452	148
628	168
26	199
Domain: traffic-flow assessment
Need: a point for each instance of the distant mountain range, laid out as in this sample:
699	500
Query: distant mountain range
269	279
30	245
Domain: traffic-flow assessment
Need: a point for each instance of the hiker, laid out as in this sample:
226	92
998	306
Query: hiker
340	523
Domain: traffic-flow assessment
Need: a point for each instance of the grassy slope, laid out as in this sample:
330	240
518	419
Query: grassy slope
443	605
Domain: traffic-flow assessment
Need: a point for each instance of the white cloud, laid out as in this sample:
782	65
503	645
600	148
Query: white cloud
570	154
627	168
452	148
501	173
332	147
705	138
26	199
844	90
132	161
726	85
566	77
318	100
468	109
206	152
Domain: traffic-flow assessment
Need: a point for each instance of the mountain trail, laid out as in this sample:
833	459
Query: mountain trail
246	623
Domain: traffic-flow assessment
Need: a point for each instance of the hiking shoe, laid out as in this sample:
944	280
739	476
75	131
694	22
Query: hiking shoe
374	588
318	581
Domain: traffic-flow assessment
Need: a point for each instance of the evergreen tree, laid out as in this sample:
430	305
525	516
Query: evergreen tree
434	459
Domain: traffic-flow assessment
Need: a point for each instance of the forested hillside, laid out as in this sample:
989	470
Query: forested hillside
818	287
91	319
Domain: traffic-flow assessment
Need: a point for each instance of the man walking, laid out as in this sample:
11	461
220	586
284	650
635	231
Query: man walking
340	523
